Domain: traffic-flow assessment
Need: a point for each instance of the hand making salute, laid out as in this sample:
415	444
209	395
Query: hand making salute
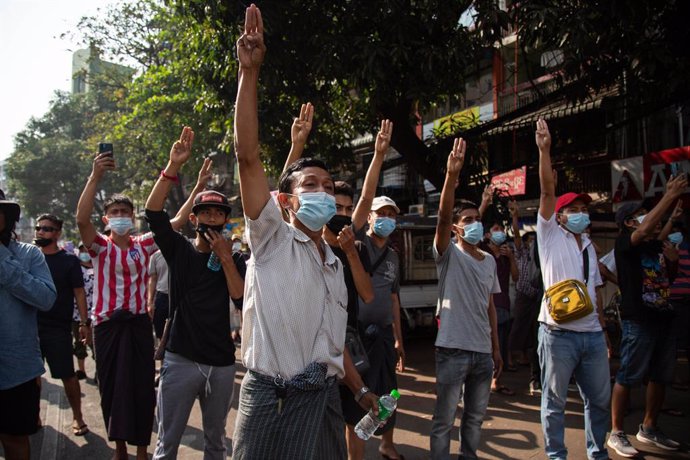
571	344
467	347
295	311
200	354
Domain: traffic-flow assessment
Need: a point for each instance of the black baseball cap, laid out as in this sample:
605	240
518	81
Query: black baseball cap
11	209
211	198
626	211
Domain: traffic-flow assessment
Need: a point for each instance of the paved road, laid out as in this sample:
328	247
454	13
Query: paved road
511	429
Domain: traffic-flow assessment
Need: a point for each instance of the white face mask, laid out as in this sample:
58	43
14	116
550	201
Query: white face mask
236	246
120	225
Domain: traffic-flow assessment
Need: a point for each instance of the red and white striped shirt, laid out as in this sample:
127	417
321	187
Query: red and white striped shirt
120	275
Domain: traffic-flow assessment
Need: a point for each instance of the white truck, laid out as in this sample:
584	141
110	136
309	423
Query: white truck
414	240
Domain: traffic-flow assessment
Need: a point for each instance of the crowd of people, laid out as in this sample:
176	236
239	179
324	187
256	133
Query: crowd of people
321	274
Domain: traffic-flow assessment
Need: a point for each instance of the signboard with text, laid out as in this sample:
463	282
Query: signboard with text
642	177
512	182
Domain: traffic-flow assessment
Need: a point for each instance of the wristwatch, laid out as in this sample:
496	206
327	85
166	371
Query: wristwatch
360	394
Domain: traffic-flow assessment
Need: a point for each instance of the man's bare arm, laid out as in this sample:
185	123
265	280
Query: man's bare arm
250	54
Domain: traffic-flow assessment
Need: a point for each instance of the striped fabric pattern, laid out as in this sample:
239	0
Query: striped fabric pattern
295	303
681	285
310	425
120	275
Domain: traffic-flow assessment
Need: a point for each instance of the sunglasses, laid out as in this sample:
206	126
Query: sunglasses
45	228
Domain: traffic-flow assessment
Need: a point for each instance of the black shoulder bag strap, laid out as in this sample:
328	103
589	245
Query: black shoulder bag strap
378	262
585	264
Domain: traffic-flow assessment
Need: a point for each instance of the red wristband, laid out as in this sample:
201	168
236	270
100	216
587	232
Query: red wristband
170	178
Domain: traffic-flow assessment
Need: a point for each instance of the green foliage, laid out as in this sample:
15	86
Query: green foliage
51	160
643	46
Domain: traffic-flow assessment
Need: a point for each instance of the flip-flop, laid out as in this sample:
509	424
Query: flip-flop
80	431
504	390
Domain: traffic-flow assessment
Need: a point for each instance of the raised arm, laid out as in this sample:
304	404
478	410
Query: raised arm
675	187
182	216
179	154
299	133
87	231
250	54
346	240
515	216
668	226
487	198
383	140
547	182
444	224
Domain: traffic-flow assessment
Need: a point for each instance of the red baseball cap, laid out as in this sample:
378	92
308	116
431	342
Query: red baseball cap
567	198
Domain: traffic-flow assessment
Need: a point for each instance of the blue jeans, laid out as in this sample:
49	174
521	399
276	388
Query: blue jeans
582	354
455	368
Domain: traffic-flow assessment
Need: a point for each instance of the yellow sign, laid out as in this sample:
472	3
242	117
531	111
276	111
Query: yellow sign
450	124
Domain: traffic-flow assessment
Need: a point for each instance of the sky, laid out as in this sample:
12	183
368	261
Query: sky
36	62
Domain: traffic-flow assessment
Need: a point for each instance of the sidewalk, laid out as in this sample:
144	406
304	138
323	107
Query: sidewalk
511	429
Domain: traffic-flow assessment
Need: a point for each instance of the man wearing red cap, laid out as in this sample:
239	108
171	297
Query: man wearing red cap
569	347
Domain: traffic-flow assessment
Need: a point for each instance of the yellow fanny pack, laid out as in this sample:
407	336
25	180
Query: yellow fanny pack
569	300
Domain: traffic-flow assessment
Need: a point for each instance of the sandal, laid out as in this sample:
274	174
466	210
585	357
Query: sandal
81	430
504	390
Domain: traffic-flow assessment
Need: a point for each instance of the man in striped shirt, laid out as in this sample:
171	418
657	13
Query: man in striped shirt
122	336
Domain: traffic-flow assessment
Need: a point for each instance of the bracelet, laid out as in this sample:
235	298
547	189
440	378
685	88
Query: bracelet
84	323
174	179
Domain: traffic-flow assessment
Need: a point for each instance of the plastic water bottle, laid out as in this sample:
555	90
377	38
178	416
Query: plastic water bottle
370	422
214	263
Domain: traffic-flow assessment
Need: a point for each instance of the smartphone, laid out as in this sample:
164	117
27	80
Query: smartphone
106	148
674	169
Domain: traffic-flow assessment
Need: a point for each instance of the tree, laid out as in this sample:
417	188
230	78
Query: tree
640	46
356	61
50	163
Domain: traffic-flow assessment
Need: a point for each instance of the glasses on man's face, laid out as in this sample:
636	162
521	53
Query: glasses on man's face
45	228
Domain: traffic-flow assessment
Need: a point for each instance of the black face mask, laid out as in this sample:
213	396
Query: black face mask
201	229
42	242
337	223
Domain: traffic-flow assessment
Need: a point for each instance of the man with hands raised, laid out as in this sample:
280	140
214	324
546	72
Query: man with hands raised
577	346
295	309
122	328
467	348
646	264
200	354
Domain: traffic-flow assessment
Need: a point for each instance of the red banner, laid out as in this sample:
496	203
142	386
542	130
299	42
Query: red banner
513	182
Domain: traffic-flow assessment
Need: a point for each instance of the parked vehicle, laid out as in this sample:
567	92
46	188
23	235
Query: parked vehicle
413	240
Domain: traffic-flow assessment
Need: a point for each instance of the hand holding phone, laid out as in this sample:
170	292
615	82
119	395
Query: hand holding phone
105	148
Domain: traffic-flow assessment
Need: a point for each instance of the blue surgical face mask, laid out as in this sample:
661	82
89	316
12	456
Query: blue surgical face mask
84	257
577	222
315	209
120	225
498	238
384	226
473	232
639	219
675	238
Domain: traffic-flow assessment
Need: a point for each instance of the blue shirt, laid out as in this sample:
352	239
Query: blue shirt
25	287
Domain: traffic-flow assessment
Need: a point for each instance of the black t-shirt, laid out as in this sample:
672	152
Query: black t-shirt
66	272
352	296
642	279
199	297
